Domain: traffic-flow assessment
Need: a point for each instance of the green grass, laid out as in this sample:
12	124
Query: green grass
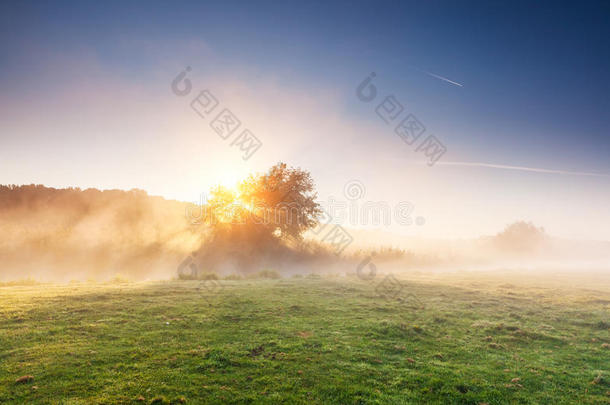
308	340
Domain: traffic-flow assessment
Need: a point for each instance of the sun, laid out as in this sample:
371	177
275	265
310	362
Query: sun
229	178
228	204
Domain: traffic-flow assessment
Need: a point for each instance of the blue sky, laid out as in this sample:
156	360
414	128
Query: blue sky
534	94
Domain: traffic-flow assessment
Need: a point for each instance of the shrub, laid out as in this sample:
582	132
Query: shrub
199	276
270	274
118	279
27	281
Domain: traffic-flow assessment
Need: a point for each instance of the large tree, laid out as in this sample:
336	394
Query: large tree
283	199
247	226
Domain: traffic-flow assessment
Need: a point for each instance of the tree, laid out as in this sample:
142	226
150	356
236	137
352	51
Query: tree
283	199
224	206
520	236
247	228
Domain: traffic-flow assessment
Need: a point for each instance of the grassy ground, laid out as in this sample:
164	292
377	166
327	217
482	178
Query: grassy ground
310	340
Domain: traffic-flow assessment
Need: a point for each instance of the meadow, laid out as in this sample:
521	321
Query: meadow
462	339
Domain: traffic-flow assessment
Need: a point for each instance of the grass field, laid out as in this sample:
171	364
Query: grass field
459	339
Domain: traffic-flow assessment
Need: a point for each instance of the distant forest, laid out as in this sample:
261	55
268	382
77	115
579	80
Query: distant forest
72	232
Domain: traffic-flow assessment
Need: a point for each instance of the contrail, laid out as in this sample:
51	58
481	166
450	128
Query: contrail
436	76
523	168
443	78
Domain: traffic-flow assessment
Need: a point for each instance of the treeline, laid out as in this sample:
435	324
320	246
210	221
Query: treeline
50	233
64	234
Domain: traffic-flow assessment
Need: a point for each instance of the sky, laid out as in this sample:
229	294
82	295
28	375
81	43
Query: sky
516	92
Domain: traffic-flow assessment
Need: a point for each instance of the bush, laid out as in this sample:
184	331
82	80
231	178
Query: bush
269	274
118	279
27	281
187	277
199	276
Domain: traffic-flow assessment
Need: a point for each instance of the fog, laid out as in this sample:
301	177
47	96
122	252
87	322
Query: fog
71	234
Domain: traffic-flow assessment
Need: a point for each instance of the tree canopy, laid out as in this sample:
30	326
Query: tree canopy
284	199
250	223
